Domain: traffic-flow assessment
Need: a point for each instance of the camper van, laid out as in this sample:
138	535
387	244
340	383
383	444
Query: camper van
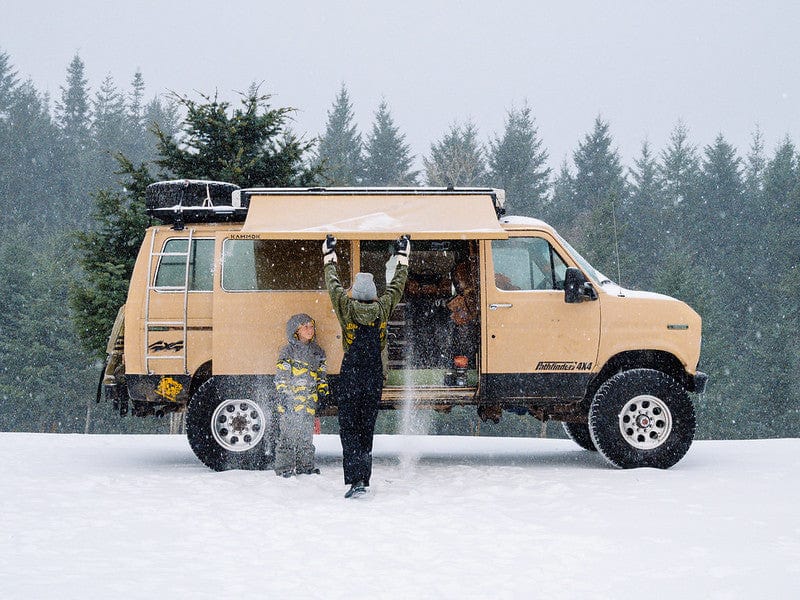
499	313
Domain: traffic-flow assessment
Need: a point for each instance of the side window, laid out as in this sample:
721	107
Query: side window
527	263
258	265
171	271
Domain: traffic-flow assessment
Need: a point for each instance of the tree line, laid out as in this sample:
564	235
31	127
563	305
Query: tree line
704	224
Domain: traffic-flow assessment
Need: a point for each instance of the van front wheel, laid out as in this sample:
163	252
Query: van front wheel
579	433
642	418
227	427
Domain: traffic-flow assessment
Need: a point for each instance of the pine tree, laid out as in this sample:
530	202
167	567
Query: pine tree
680	168
30	165
599	175
517	163
73	110
754	167
721	199
109	130
8	83
647	236
560	211
164	116
388	158
139	141
251	146
457	159
599	193
77	151
340	150
107	255
45	379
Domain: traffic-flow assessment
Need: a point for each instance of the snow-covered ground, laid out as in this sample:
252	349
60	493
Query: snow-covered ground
448	517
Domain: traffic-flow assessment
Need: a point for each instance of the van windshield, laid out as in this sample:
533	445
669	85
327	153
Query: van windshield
590	271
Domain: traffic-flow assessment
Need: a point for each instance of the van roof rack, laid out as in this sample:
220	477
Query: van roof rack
178	215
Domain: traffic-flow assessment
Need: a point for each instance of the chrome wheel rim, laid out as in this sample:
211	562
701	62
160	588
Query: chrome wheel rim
238	424
645	422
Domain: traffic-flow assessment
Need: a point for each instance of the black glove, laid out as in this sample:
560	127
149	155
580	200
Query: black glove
402	249
329	249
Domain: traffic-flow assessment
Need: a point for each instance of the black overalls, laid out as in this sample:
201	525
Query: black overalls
359	388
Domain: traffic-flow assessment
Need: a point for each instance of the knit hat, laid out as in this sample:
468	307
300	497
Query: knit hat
364	288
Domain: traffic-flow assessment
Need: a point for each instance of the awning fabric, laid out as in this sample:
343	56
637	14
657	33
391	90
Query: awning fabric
374	216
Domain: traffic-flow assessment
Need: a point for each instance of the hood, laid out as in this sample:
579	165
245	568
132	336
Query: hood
292	325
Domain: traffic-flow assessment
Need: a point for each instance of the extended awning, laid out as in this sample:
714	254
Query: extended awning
466	214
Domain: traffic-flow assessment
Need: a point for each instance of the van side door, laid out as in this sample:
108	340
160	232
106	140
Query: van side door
536	345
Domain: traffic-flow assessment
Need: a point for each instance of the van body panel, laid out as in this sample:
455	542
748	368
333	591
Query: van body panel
535	330
639	320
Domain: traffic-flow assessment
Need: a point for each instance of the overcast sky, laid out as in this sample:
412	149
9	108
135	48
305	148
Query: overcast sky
720	67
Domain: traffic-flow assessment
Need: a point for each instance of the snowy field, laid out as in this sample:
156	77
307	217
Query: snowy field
447	517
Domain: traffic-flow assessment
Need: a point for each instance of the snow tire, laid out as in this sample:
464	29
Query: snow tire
642	418
579	433
228	427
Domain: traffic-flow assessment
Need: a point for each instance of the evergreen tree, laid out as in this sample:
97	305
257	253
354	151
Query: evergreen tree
679	168
721	199
457	159
76	151
599	175
517	163
599	193
8	83
45	379
73	110
108	254
776	270
109	130
163	115
251	146
388	158
560	212
340	150
647	236
31	170
139	142
754	167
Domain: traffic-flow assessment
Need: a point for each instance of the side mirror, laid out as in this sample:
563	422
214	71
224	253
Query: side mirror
577	288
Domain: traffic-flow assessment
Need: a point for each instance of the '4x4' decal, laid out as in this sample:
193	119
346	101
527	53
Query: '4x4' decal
162	346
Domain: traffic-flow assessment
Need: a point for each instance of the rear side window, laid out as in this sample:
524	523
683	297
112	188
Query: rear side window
172	266
292	265
527	263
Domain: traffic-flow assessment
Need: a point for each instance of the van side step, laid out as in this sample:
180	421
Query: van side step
428	396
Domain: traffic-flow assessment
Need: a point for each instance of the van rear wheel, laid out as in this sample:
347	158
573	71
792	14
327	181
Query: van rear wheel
642	418
227	427
579	433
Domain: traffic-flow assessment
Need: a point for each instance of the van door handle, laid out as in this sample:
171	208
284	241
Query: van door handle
501	305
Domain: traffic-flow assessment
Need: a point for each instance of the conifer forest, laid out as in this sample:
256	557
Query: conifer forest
699	220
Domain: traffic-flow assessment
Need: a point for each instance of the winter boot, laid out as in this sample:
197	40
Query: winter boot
308	471
356	490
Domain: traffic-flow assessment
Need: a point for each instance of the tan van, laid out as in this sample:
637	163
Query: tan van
500	313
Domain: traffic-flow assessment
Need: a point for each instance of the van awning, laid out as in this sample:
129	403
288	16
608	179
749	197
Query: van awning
374	215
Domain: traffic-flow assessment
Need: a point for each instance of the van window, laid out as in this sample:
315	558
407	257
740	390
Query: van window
259	265
527	263
172	269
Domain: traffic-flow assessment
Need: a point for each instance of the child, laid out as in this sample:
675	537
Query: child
301	385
